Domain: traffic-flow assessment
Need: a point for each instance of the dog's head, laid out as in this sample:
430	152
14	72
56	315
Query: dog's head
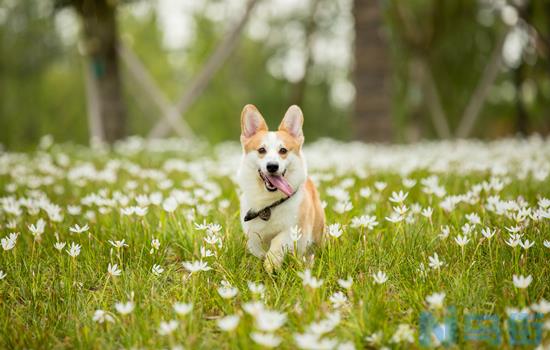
273	158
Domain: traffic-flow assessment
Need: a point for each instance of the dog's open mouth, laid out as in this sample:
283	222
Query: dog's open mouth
276	182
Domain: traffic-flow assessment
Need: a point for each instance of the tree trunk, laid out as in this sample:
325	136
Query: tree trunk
522	118
101	41
372	120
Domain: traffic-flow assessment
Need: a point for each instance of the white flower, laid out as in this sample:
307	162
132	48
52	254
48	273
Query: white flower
166	328
206	253
325	325
118	244
395	218
309	280
37	229
375	338
346	284
59	245
398	197
404	333
338	299
365	192
401	210
74	210
253	308
9	242
256	288
2	275
266	339
488	233
380	186
310	341
366	221
462	240
157	270
427	212
526	244
213	239
544	203
380	277
128	211
342	206
546	243
170	205
521	281
467	229
124	308
113	270
435	301
346	346
201	226
155	245
295	233
140	211
335	230
101	316
228	323
269	321
445	230
434	262
473	218
74	249
213	228
228	292
196	266
513	242
78	229
514	229
542	307
183	309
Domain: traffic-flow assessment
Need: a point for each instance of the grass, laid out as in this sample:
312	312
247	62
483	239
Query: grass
48	299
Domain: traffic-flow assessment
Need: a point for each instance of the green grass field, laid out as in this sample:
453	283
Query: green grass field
175	204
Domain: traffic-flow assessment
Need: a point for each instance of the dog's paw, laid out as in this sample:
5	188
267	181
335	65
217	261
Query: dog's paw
268	266
272	264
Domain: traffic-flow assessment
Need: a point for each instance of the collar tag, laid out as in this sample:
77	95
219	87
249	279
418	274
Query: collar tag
265	214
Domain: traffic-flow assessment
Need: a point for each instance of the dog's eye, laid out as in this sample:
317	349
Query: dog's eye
283	150
261	150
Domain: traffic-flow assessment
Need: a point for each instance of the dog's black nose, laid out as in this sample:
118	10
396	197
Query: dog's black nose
272	167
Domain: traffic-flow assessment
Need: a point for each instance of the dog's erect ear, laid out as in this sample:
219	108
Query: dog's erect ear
251	121
293	121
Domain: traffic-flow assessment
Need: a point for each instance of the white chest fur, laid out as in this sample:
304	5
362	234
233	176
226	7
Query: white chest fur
283	218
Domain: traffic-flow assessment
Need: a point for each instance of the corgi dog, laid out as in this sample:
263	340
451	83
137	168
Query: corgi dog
280	206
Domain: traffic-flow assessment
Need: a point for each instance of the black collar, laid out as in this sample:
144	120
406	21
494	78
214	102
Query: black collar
265	213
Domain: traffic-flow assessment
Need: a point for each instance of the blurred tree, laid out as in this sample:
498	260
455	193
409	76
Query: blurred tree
372	120
105	98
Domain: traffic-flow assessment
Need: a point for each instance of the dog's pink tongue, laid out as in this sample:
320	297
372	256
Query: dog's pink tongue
281	183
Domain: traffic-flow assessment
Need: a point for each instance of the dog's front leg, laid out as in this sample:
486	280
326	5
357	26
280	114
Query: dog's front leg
278	247
254	245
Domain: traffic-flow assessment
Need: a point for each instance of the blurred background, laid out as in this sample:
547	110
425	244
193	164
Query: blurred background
378	71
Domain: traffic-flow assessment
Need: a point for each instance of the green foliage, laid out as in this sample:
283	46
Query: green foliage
48	299
42	82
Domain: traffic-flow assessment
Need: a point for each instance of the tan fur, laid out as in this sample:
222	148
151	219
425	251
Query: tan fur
312	215
254	142
290	142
